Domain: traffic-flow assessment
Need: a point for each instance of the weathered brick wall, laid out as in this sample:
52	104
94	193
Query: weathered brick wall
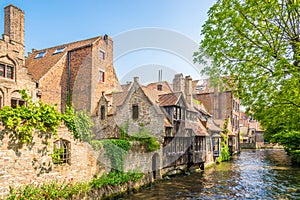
32	164
12	53
81	78
111	82
54	85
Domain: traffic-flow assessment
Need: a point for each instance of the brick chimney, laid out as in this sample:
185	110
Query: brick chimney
178	83
188	90
14	24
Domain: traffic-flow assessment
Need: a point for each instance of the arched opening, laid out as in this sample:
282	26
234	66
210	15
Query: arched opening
155	166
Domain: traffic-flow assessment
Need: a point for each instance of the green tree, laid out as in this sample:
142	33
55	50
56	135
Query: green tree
257	45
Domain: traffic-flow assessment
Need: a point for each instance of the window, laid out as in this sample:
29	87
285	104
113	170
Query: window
101	55
102	112
101	76
61	152
6	71
2	70
1	102
135	111
168	131
40	55
59	50
16	102
10	72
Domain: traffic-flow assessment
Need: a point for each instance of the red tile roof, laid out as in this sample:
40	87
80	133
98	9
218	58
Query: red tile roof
165	86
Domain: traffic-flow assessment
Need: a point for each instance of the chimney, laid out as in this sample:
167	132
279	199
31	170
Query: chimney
188	90
178	83
14	24
159	85
136	79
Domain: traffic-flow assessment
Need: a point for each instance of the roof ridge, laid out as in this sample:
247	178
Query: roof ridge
70	43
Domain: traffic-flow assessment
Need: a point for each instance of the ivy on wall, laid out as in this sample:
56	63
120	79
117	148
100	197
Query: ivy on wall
22	122
225	154
116	150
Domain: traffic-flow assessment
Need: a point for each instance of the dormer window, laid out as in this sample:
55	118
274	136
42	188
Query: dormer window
59	50
40	55
6	71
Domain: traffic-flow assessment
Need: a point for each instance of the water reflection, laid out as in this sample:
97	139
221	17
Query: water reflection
254	174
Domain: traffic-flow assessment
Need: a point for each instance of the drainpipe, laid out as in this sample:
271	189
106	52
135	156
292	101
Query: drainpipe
69	79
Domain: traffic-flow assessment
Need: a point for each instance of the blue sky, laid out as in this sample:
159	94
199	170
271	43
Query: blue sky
50	23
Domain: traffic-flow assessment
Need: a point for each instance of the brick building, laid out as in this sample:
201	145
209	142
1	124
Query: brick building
14	75
77	72
222	105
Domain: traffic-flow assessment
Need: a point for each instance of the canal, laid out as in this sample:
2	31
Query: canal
254	174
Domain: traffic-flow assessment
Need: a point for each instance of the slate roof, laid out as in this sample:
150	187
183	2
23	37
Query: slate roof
38	67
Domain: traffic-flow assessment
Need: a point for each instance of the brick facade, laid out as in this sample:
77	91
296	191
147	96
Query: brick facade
74	74
12	56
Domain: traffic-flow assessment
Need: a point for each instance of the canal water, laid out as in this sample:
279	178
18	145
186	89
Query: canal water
254	174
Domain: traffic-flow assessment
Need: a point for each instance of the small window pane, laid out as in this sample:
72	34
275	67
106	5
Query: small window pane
102	55
59	50
10	72
14	103
2	70
102	113
21	103
101	76
135	111
62	152
40	55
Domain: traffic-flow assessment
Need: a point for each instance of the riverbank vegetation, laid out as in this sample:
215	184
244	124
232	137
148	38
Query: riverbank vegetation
255	49
225	153
70	189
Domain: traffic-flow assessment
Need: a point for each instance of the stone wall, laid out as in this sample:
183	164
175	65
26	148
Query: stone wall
148	114
32	164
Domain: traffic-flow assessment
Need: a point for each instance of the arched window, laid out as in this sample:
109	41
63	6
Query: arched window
62	152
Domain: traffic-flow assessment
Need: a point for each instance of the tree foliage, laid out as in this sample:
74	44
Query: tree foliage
257	47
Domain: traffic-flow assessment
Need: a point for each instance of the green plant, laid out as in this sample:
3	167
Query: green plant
78	122
51	190
116	150
225	154
290	141
56	156
96	144
23	120
145	138
115	178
